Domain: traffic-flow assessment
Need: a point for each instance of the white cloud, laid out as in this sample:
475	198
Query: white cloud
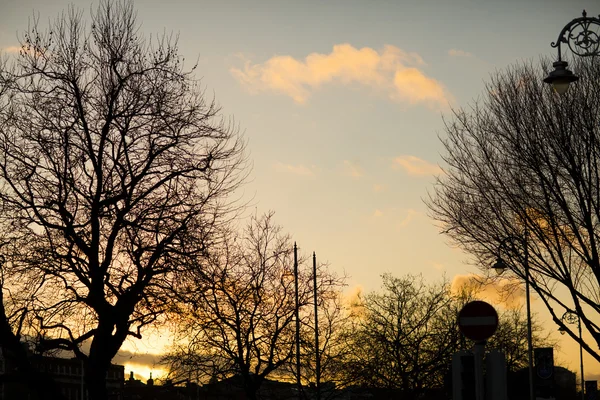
459	53
415	166
391	70
300	169
378	213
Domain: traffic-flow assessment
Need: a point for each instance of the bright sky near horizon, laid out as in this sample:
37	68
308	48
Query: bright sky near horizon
341	102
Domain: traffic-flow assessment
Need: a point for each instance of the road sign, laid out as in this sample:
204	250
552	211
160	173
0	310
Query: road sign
544	362
478	320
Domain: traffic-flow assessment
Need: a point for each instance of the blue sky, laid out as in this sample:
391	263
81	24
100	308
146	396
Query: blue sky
342	102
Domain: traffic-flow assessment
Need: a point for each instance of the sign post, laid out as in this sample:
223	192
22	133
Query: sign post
478	321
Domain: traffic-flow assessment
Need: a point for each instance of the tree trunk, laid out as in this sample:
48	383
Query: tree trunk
95	378
251	386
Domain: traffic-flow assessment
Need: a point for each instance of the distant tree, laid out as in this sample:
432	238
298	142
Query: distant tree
239	316
114	172
524	162
404	335
401	338
511	337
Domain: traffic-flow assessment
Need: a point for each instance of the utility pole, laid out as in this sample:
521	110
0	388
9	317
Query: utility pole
297	311
317	351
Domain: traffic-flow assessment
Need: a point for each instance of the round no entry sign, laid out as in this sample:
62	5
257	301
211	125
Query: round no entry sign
478	320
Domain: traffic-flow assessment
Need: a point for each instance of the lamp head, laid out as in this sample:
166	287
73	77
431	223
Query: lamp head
561	77
499	266
562	330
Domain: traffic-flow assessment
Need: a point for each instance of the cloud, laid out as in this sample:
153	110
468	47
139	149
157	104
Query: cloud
378	188
438	266
22	50
410	214
391	70
415	166
300	170
414	87
12	49
353	169
507	292
378	213
459	53
128	357
354	300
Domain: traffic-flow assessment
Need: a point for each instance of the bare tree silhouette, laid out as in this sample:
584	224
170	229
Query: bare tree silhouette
404	335
524	162
402	339
115	170
239	317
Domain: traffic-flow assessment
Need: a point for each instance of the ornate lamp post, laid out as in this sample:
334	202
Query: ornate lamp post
582	35
570	317
509	244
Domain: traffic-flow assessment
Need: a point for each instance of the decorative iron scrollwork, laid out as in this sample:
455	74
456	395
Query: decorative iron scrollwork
582	35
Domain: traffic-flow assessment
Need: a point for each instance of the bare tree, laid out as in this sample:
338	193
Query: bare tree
511	337
239	318
523	163
114	172
402	339
404	335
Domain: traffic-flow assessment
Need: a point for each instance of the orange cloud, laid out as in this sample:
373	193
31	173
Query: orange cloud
415	166
300	170
391	70
414	87
354	300
410	215
506	292
378	188
12	49
353	169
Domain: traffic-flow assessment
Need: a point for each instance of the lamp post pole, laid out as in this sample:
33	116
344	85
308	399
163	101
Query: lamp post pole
582	36
529	334
499	267
571	317
581	359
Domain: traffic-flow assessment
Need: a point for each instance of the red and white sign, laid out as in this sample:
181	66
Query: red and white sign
478	320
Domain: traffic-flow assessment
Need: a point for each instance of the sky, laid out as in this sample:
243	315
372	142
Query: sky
342	104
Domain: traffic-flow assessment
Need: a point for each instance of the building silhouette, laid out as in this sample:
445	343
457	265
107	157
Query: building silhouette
67	373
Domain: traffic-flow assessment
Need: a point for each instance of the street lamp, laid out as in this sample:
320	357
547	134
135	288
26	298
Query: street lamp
582	35
570	318
500	266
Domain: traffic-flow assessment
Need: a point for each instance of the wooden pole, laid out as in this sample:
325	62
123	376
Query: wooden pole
317	351
297	311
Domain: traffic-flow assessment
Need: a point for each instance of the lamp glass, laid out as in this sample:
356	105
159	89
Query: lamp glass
560	86
499	266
